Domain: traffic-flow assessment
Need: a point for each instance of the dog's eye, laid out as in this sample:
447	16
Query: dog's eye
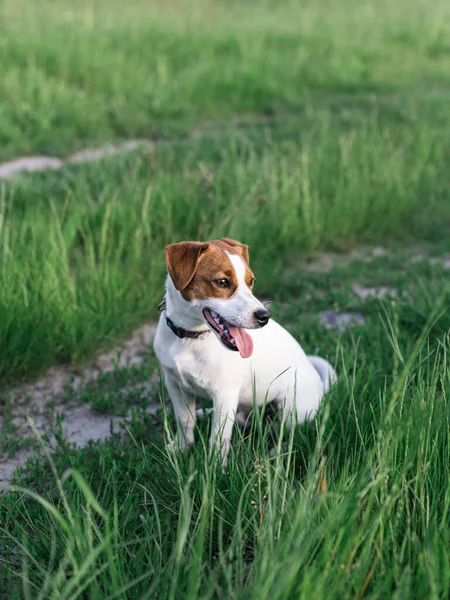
252	282
222	283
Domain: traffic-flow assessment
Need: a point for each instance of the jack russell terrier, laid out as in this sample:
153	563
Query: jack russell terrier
215	339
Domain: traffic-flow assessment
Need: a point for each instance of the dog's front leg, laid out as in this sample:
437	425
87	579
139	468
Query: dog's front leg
225	408
184	409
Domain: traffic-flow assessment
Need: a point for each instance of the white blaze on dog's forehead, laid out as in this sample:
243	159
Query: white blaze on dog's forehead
239	267
243	295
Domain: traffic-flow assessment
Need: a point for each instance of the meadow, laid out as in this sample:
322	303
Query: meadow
299	128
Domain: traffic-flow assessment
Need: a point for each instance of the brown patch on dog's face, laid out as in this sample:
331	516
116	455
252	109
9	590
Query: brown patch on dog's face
214	275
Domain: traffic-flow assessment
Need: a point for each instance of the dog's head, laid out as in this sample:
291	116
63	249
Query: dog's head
216	279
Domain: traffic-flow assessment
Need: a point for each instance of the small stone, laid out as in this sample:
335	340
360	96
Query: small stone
374	292
379	251
340	320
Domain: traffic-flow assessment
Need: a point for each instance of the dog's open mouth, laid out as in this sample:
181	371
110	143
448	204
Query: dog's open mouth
233	338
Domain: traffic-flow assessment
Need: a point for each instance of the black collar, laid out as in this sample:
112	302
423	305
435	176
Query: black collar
179	331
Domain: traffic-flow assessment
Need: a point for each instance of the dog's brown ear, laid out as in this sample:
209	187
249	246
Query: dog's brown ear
182	260
241	249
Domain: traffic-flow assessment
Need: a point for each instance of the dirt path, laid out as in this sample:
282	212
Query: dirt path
45	399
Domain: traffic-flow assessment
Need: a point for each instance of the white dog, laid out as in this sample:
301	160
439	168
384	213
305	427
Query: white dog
205	348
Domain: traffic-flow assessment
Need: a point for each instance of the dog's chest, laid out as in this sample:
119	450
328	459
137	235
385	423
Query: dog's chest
192	371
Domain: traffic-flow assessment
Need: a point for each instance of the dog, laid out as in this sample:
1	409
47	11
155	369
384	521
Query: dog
216	340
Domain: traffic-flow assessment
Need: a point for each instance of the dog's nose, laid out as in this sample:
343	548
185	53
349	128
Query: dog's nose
262	316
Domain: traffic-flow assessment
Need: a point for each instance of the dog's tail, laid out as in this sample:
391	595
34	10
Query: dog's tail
325	370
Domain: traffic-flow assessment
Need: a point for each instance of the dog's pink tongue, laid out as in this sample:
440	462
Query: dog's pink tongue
243	341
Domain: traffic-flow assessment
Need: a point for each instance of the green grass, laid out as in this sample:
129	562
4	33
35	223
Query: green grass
356	506
312	125
296	128
86	73
82	250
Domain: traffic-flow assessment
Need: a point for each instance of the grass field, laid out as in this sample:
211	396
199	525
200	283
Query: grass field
95	71
297	128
